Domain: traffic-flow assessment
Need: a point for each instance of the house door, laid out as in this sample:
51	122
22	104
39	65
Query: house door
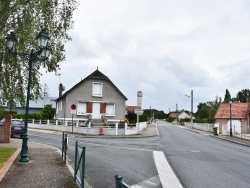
96	110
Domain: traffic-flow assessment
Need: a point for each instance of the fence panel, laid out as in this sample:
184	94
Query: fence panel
79	172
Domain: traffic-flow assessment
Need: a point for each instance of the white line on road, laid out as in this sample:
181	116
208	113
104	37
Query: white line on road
95	144
167	176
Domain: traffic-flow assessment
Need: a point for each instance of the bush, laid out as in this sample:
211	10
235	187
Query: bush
4	113
143	118
170	119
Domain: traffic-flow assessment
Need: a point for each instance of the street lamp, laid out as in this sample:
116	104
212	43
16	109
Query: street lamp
231	133
191	107
41	54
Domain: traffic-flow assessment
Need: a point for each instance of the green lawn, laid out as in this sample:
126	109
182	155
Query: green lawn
5	154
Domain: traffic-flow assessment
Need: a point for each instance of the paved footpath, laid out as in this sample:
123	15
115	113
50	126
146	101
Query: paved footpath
45	168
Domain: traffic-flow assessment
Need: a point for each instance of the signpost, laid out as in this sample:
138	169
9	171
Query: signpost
73	111
138	112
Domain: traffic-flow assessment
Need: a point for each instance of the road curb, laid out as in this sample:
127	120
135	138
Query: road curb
8	164
240	143
232	141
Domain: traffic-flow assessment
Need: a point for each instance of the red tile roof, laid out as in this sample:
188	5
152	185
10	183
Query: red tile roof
132	108
238	110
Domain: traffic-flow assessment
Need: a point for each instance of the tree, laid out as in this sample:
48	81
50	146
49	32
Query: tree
206	111
243	95
48	112
27	18
227	97
131	117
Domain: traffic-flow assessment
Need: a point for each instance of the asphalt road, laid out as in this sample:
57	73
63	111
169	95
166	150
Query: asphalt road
198	160
203	161
131	158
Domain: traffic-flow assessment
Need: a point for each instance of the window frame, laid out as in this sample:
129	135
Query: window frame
101	89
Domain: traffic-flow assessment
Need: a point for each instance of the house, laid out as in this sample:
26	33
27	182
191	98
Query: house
95	98
174	114
185	115
34	106
131	109
239	116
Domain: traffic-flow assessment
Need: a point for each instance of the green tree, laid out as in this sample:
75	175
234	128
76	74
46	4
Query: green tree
27	18
243	95
227	97
206	111
48	112
131	117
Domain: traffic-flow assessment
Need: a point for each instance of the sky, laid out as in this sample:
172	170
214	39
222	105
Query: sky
164	48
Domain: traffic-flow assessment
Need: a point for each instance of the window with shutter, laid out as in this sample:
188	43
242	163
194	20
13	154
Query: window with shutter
81	108
97	89
110	109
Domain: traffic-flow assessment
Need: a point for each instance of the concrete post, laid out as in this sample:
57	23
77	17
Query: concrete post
126	128
116	128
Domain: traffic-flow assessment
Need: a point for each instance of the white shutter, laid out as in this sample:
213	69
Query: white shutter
81	108
110	109
97	89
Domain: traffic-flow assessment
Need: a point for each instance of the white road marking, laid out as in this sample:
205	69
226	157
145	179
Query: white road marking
95	144
167	176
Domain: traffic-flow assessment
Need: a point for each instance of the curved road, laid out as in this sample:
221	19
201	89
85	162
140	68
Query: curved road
198	160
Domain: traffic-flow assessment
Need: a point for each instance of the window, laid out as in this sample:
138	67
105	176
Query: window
81	108
97	89
58	107
110	109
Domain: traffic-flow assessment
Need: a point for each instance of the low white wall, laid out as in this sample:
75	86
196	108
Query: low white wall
201	126
89	130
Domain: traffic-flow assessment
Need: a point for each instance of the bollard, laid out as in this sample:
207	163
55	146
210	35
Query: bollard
101	130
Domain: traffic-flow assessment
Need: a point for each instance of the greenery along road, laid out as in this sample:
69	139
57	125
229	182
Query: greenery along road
5	154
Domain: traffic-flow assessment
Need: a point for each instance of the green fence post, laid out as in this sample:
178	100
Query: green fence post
62	144
65	147
118	179
76	154
83	167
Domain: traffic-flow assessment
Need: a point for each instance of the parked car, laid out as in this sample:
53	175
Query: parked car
17	127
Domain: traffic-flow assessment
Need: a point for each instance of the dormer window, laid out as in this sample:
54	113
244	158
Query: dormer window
97	89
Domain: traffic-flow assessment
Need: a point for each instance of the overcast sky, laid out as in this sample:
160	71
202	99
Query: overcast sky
164	48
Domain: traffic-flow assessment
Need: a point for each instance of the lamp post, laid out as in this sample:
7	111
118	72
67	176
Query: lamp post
231	133
41	54
191	117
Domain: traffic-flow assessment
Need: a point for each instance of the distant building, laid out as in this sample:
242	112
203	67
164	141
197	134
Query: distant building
34	106
240	117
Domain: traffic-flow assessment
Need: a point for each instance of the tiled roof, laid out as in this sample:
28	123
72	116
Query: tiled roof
95	75
132	108
238	110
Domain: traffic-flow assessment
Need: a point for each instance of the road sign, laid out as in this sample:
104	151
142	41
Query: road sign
139	111
73	109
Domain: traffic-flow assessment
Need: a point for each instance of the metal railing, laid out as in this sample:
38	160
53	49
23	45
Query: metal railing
79	171
120	183
64	146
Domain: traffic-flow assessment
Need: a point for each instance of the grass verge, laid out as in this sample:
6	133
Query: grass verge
5	154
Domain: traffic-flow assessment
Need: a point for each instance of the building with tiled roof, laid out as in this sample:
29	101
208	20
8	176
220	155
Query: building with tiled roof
239	115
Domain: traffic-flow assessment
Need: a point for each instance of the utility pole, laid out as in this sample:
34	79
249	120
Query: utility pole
192	108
